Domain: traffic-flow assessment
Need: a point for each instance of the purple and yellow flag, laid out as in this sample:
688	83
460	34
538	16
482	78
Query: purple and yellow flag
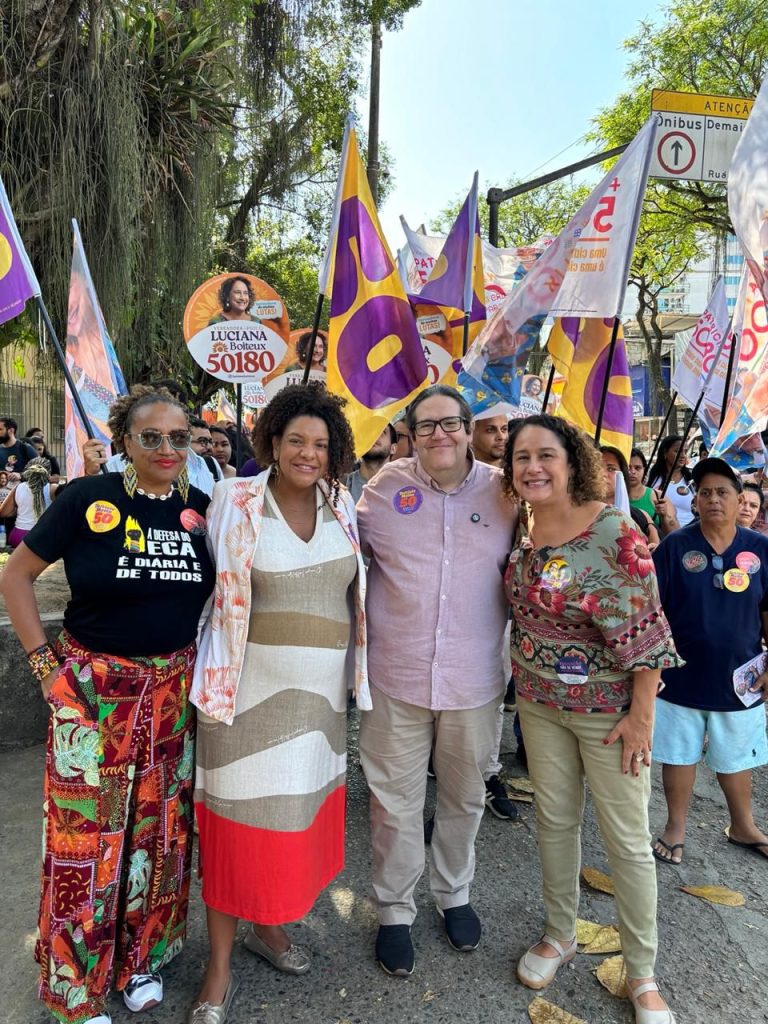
17	278
91	360
579	349
456	285
375	357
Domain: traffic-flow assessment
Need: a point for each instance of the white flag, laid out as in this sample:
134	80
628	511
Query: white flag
698	368
584	271
748	190
324	273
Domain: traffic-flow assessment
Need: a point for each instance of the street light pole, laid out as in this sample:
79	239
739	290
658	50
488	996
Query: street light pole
373	111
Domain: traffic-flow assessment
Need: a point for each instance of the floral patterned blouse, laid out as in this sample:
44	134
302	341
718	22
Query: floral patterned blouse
585	615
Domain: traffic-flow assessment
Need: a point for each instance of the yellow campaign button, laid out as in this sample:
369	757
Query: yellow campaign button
736	580
102	516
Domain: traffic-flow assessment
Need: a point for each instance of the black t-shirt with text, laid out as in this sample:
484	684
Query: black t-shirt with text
14	458
138	568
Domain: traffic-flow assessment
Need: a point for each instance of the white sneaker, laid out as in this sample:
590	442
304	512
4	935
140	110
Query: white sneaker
101	1018
143	991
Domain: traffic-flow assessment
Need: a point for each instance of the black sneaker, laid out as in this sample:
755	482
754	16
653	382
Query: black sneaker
462	927
497	800
394	949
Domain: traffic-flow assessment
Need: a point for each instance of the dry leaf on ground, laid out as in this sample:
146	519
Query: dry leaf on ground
520	784
612	974
598	880
521	798
542	1012
716	894
586	930
606	940
428	996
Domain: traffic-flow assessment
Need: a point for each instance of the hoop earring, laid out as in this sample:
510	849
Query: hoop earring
130	479
182	484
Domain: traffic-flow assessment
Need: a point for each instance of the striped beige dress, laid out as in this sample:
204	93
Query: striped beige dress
270	788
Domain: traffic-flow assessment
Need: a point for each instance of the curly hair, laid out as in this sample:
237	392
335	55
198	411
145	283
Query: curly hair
226	289
587	481
302	347
308	400
125	407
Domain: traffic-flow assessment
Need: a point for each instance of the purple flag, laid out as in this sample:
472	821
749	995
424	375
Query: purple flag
17	278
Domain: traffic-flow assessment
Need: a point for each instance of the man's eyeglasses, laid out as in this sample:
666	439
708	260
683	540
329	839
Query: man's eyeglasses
449	425
150	439
717	565
204	442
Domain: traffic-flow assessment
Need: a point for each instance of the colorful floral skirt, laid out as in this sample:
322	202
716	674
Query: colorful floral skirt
117	824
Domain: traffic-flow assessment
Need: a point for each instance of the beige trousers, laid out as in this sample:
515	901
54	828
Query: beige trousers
564	748
395	741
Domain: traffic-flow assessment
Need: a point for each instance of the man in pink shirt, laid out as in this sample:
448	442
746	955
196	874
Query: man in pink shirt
437	529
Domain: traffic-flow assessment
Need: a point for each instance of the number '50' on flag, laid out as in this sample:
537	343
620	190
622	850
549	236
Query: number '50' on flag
375	357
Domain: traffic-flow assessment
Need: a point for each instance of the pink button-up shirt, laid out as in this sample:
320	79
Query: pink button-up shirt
436	609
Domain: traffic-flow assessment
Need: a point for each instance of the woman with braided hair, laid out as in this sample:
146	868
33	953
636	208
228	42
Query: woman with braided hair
29	499
271	690
118	778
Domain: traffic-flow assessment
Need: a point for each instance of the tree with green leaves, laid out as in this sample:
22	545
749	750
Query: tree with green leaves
702	46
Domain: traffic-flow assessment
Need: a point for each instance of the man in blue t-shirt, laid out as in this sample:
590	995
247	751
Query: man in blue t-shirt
713	582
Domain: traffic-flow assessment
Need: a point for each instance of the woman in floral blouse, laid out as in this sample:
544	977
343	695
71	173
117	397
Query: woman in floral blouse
589	640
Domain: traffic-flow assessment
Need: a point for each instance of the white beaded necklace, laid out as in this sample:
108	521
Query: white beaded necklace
155	497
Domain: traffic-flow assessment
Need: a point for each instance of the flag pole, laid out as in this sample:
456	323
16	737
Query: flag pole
315	329
663	427
607	381
65	370
728	375
465	337
239	422
548	388
686	432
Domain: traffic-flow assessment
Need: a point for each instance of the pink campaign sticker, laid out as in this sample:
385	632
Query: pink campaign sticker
407	500
193	522
748	561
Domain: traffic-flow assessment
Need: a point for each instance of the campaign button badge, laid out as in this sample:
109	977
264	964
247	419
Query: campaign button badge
193	522
736	580
407	500
683	490
748	561
572	670
102	516
556	573
694	561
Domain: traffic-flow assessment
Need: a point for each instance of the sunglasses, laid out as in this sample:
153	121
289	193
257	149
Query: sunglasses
717	565
151	440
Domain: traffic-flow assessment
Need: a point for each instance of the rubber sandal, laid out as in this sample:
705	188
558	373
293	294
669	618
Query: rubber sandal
671	851
753	847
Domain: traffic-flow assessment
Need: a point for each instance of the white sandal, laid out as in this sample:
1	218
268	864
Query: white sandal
643	1015
539	971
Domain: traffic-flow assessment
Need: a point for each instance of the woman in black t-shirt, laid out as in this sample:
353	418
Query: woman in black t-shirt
118	781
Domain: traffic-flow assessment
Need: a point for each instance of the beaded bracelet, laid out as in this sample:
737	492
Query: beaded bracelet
42	661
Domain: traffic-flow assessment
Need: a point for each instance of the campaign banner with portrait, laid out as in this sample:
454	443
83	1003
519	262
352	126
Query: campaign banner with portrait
236	328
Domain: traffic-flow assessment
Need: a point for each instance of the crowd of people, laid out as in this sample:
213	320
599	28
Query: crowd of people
223	619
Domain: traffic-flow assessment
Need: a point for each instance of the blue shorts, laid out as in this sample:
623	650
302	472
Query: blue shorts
736	739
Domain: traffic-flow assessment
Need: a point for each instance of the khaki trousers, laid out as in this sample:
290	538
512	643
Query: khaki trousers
564	748
395	742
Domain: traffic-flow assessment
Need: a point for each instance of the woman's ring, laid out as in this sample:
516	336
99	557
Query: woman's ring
639	756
